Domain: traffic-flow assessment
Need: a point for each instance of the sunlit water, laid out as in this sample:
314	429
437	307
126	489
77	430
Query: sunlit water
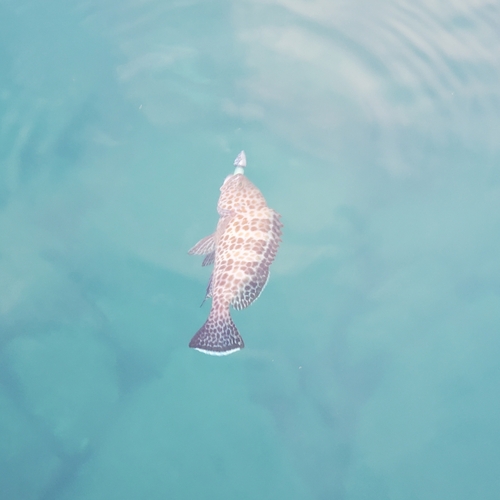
371	363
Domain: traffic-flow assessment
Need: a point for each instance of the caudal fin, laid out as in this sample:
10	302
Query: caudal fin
218	336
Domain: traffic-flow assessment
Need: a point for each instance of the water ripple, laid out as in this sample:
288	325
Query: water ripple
431	67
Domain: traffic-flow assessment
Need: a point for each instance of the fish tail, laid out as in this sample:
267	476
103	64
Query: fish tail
218	336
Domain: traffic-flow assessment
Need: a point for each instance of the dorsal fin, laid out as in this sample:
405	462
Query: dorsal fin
252	287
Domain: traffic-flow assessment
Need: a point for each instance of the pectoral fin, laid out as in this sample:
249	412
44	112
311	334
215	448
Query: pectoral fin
205	246
209	259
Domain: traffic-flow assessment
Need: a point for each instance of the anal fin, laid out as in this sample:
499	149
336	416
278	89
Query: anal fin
208	294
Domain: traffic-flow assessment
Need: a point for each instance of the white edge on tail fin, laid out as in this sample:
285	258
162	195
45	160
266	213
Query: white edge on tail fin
218	353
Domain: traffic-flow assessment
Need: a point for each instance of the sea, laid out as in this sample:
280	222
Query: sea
371	362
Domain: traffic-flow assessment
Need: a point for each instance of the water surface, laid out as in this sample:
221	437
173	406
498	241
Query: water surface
371	362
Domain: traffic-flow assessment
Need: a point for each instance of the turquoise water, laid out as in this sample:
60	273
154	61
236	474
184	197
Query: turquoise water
371	362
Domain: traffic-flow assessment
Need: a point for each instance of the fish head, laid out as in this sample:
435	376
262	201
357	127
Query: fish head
229	193
238	193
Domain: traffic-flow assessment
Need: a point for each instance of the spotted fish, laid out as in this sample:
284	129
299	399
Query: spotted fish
242	248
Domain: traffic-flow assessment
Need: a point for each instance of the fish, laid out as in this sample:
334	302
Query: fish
241	249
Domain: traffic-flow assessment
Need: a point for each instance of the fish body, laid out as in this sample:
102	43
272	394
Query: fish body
242	248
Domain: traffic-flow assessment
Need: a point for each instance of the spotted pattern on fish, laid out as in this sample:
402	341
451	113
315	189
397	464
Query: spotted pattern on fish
242	248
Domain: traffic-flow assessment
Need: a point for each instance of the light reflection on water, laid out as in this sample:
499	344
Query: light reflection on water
371	361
